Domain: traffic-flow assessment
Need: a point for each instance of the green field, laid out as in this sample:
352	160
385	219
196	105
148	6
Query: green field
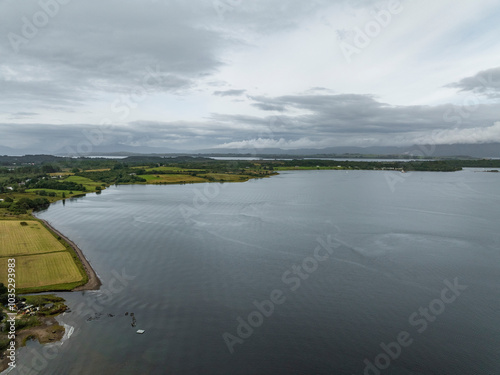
55	270
33	238
188	179
59	193
87	182
278	168
166	169
226	177
42	261
171	178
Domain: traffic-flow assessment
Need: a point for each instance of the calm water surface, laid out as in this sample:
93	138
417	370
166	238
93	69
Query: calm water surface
189	261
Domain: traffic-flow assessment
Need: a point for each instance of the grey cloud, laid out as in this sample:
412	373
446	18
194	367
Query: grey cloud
328	120
348	117
22	115
82	138
25	114
269	107
486	82
327	115
263	17
95	46
43	92
320	89
229	92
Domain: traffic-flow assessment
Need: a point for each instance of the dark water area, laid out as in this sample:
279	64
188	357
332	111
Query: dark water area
307	272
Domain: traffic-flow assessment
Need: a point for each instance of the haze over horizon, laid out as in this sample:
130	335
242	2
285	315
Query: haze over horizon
232	74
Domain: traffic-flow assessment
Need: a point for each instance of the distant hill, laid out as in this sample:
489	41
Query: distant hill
4	150
483	150
117	150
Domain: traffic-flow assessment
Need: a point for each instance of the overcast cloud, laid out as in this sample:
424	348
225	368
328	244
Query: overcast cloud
189	75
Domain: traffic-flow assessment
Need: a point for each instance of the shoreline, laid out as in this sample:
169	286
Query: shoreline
93	283
49	331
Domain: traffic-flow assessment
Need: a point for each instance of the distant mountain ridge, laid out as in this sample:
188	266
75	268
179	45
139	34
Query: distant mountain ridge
117	149
476	150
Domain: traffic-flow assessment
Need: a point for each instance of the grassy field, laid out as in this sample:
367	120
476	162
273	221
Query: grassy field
33	238
278	168
61	174
87	182
59	193
37	272
225	177
188	179
170	169
27	194
43	262
171	178
97	170
6	215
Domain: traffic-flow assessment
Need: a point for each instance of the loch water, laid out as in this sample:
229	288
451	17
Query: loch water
306	272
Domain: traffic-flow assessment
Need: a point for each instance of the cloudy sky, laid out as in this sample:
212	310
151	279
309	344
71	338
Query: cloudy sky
188	75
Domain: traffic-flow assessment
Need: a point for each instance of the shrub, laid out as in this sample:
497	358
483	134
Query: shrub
24	322
24	204
4	344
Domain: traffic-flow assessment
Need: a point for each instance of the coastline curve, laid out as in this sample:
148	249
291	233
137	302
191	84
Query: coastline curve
93	283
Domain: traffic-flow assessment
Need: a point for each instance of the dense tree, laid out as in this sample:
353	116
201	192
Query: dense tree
3	295
24	204
49	168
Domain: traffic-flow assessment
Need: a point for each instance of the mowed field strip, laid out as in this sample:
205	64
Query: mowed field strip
171	178
41	260
43	269
33	238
